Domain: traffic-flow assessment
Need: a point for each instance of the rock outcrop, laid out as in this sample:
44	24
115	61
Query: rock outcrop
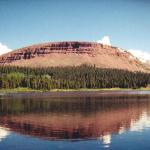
72	54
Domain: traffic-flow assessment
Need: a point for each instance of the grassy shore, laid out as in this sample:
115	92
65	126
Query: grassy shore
18	90
22	90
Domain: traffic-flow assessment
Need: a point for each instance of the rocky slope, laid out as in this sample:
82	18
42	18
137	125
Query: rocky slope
72	54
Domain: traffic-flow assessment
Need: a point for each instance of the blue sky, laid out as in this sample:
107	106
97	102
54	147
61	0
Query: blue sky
26	22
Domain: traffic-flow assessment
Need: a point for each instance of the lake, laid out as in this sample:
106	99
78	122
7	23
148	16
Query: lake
75	121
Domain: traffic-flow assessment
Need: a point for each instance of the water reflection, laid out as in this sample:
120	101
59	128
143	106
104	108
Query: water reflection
75	118
4	132
141	124
106	139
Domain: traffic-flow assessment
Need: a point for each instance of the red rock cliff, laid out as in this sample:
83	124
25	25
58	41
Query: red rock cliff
72	54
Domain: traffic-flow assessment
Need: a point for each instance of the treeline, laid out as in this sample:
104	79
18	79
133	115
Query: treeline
71	78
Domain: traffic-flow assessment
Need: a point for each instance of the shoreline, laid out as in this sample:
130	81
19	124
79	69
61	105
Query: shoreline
27	90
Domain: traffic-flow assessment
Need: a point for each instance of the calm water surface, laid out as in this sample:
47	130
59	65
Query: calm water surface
75	121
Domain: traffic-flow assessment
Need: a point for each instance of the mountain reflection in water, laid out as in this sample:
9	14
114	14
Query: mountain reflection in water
77	118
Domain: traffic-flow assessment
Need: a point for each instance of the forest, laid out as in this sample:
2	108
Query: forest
75	77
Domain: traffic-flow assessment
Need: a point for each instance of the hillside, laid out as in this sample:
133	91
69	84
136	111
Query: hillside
72	54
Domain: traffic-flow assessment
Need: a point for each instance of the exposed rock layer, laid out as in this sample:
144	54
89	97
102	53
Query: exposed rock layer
72	54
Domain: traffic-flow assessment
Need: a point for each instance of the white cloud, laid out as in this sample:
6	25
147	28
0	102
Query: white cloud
105	40
4	49
141	55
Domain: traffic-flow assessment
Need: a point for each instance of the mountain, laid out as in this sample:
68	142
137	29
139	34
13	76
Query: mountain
72	54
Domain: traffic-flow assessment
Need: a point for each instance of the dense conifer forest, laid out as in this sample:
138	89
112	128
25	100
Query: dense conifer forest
70	78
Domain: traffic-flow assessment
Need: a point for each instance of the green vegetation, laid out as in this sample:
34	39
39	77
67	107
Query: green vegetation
22	90
19	90
81	77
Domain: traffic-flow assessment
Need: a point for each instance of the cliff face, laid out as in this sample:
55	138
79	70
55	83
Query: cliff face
72	54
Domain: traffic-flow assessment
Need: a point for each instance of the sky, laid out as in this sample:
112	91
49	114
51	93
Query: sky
27	22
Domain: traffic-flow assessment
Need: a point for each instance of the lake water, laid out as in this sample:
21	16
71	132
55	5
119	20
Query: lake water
75	121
